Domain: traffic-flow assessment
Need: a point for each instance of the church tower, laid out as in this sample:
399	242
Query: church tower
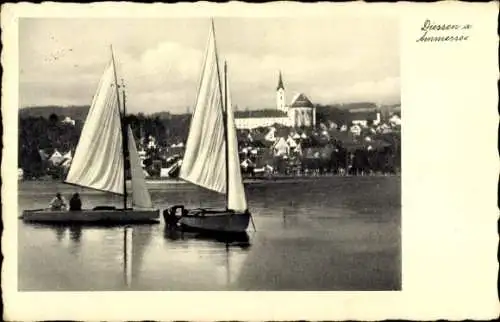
280	95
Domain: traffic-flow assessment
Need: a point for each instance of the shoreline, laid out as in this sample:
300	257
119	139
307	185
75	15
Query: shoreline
281	178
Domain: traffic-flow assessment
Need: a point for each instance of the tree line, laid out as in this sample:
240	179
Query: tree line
39	133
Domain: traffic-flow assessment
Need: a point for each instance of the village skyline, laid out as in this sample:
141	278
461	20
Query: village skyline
160	60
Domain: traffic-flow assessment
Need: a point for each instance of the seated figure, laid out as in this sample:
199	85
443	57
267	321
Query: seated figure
75	203
58	203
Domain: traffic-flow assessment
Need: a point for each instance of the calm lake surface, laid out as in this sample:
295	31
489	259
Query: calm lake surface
331	233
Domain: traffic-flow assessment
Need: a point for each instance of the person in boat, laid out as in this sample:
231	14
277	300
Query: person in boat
58	203
171	217
75	203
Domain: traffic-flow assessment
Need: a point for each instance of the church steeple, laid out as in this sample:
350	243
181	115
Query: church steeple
280	95
280	83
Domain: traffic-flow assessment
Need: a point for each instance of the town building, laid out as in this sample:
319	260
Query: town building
300	113
363	116
68	120
395	120
56	157
260	118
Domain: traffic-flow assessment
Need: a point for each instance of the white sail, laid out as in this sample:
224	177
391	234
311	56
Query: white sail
140	194
98	160
236	195
204	159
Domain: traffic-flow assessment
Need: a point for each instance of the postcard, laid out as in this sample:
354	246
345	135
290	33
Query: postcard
237	161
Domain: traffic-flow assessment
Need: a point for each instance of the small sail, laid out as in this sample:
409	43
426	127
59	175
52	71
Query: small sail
204	158
140	193
98	160
236	194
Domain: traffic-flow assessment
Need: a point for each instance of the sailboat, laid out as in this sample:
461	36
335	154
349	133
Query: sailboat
100	163
211	157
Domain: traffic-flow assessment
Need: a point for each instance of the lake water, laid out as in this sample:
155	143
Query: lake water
331	233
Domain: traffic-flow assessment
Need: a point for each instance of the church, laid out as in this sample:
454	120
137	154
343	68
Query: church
299	113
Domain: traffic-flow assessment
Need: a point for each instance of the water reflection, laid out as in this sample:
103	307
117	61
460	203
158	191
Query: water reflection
131	241
75	233
127	256
290	217
60	231
172	234
241	240
336	234
224	249
140	239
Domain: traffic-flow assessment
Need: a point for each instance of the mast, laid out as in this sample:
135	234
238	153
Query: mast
125	147
124	136
225	134
224	110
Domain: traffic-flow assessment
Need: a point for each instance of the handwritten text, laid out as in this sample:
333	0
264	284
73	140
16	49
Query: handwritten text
439	32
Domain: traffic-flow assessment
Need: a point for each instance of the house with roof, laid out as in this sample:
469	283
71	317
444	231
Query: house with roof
247	163
301	112
355	129
395	120
151	142
142	156
271	135
384	128
56	158
263	163
66	161
291	143
68	120
281	147
363	116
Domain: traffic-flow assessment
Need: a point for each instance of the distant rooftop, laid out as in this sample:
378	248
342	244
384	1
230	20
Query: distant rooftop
364	109
300	100
259	114
361	115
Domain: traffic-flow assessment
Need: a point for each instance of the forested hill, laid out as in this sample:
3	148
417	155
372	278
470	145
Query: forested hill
74	112
359	106
333	112
352	106
78	112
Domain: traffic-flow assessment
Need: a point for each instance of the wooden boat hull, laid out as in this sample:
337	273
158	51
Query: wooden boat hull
222	222
203	220
108	216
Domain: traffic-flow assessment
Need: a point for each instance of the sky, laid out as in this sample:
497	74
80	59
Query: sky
329	60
